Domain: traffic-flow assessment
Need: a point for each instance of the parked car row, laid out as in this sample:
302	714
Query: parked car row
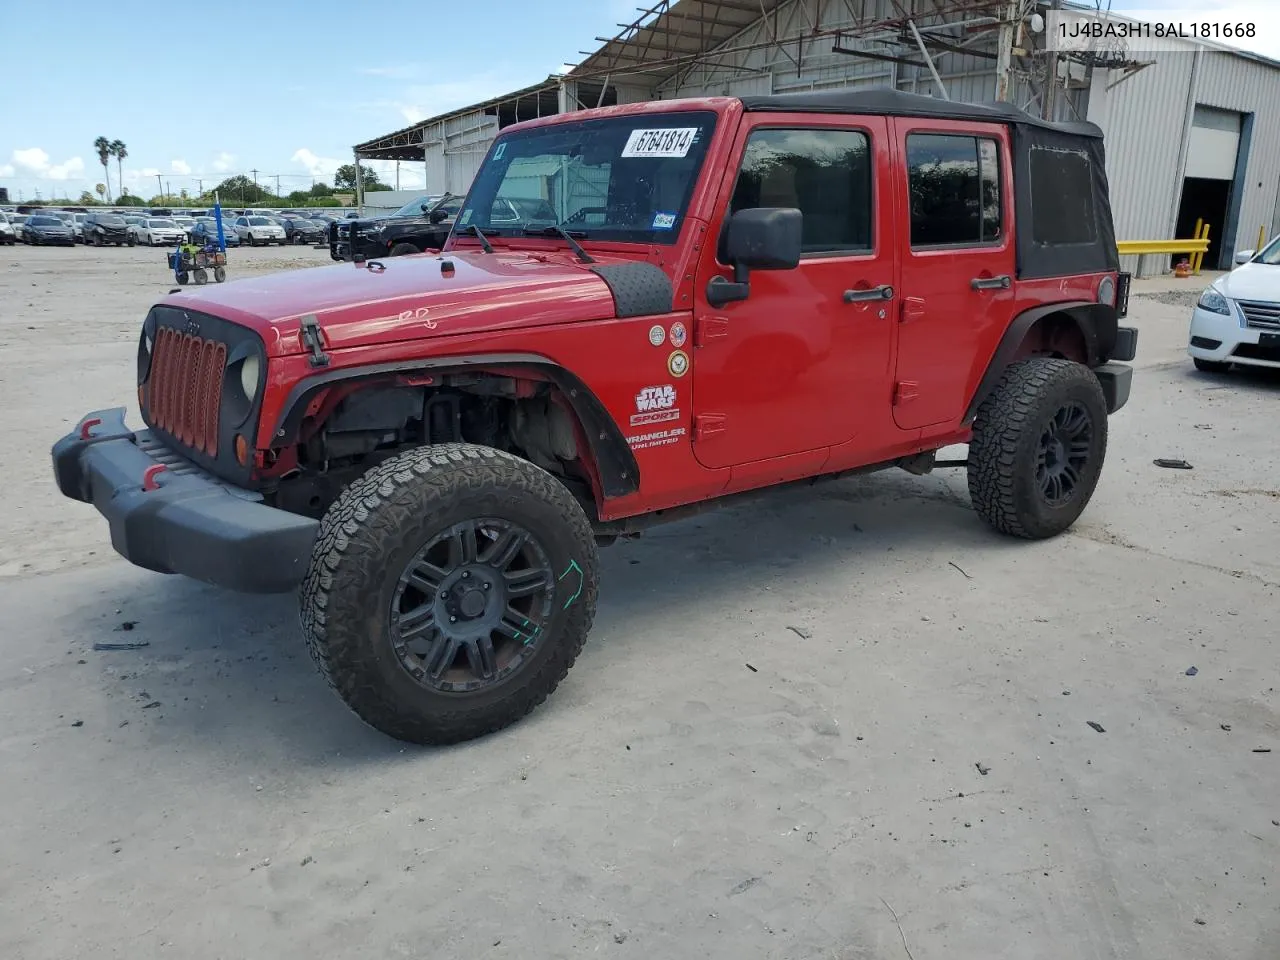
162	227
114	229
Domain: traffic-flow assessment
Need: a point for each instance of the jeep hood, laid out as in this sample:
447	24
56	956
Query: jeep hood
407	298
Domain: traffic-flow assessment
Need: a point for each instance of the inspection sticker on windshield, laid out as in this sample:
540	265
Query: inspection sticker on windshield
664	221
663	142
502	148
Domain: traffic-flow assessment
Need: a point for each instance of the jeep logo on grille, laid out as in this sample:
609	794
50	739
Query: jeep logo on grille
192	327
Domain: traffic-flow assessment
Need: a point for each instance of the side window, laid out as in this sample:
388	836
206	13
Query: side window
954	182
1062	210
824	173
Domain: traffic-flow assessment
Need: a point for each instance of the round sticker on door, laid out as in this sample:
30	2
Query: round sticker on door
678	363
678	335
657	335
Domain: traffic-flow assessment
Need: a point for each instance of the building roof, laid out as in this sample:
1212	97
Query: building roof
407	143
889	102
680	32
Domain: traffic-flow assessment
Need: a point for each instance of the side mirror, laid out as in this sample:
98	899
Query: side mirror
1244	256
438	215
758	238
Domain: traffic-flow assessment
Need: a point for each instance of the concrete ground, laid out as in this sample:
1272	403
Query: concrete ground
770	747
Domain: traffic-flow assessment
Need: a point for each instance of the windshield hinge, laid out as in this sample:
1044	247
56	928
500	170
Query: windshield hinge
313	339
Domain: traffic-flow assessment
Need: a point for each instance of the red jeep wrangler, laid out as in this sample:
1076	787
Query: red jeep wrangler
731	294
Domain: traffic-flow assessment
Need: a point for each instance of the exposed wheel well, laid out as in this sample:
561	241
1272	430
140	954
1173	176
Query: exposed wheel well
355	425
1055	335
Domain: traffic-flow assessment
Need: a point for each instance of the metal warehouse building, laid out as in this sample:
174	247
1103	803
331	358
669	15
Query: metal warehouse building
1193	130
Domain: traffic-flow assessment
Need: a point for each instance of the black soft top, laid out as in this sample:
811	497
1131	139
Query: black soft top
897	103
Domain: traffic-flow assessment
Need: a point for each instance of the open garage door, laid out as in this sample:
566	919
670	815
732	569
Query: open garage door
1213	180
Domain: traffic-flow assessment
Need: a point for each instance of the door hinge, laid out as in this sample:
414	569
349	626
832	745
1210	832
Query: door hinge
912	309
905	390
708	425
709	328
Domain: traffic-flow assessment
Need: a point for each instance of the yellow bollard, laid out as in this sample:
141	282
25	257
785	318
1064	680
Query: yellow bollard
1198	258
1195	268
1262	237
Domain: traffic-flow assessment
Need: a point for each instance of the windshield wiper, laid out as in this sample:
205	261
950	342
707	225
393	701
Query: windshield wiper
555	230
484	241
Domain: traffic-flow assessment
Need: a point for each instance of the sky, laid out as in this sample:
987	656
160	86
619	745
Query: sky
283	87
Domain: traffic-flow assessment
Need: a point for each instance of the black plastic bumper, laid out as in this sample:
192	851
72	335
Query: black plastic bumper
1116	379
187	522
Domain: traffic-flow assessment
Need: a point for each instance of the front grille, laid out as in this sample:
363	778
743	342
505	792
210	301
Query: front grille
185	394
1257	351
1264	316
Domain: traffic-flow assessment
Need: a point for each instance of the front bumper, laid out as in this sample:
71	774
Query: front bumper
1222	339
167	515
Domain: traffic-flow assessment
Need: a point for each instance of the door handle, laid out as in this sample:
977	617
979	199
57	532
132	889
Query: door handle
1002	282
882	292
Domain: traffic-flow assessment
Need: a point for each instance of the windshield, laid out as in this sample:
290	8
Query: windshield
45	222
1270	254
260	222
111	221
413	208
624	178
163	224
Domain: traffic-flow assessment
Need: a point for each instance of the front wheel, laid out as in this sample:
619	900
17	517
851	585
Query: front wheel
183	277
200	276
219	274
403	250
450	590
1210	366
1037	449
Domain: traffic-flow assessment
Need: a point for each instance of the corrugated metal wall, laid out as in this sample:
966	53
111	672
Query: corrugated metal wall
1235	83
1146	120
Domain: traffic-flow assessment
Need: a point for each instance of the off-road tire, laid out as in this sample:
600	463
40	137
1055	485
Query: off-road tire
403	250
367	538
1211	366
1006	437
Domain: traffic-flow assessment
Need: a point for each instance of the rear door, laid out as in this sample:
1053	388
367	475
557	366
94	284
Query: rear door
804	362
956	186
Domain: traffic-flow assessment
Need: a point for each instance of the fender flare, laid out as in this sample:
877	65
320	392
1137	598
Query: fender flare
615	461
1097	323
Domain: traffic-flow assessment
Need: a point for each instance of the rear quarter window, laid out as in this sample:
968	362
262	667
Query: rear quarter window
1062	209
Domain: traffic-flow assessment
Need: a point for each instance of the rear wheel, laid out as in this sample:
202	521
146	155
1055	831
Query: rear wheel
1210	366
450	591
1037	449
200	277
403	250
219	274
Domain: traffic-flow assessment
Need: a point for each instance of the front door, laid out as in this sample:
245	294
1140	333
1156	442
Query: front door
957	263
804	362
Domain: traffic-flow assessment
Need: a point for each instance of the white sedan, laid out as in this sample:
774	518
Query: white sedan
158	231
256	230
1238	318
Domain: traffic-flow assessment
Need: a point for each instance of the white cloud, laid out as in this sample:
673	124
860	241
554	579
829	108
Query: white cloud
36	162
223	162
179	167
6	170
148	172
315	165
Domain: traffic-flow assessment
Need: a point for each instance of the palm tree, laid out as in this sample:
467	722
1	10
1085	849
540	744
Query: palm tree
119	151
103	146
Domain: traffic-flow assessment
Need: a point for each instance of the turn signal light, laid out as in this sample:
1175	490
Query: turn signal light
242	450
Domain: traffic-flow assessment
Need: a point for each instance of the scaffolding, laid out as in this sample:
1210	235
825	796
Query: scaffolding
669	40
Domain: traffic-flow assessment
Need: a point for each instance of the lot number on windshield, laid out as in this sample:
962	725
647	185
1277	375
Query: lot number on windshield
665	142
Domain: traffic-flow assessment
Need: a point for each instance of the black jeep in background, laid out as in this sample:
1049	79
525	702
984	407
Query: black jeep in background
101	229
419	225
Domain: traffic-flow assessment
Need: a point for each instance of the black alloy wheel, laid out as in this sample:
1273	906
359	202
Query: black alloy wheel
472	605
1065	446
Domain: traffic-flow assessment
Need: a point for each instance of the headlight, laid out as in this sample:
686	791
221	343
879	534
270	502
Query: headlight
249	369
1214	302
